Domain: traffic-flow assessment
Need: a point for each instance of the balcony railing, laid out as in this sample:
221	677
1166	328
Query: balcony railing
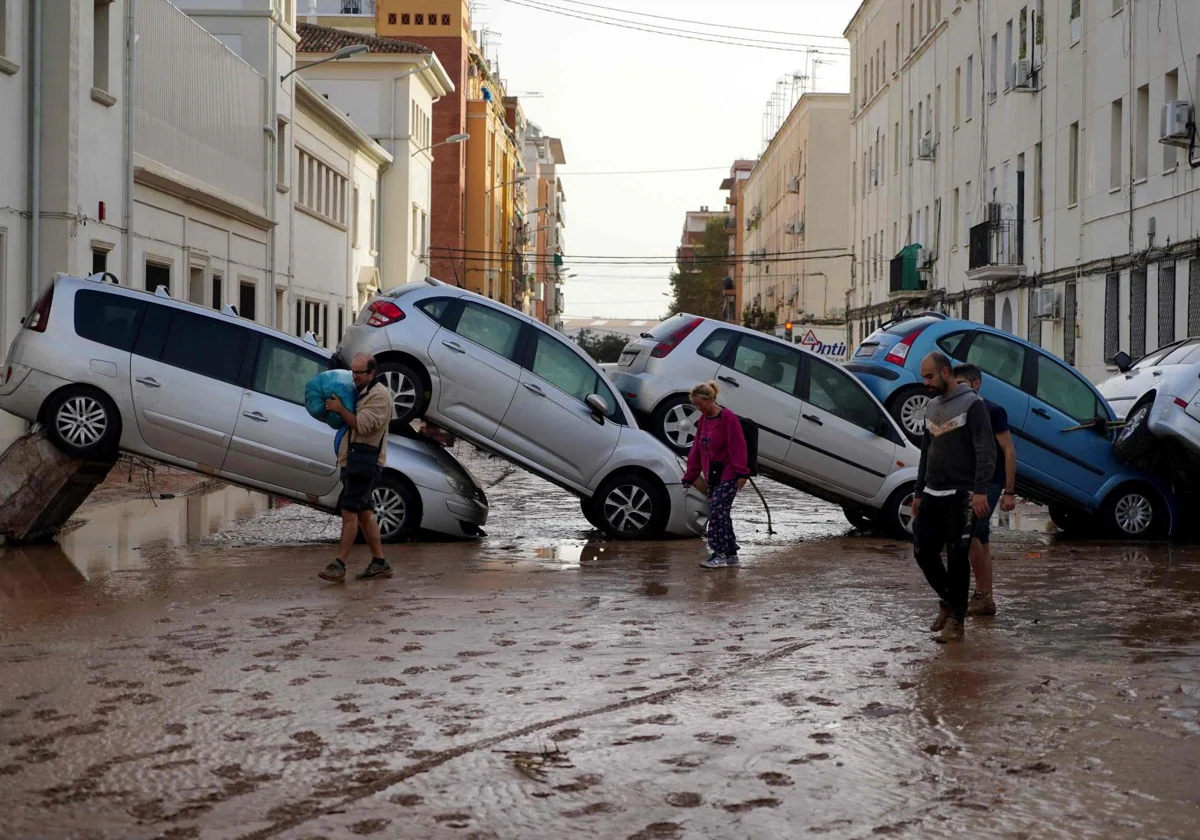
341	7
994	243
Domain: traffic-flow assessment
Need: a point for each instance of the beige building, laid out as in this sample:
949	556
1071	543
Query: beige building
795	211
1009	168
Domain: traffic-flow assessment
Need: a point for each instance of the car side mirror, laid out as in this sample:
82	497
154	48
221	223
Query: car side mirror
1122	361
599	408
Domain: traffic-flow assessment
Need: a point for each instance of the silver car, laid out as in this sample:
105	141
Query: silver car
821	431
511	386
107	368
1159	399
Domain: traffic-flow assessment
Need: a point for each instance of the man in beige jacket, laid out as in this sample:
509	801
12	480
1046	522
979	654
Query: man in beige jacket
361	456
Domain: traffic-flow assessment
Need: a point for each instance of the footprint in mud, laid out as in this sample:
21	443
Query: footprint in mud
751	804
821	701
412	647
369	827
591	810
811	757
878	710
636	739
566	734
685	799
415	669
657	720
776	779
408	800
455	820
822	737
175	728
688	762
720	740
659	831
581	783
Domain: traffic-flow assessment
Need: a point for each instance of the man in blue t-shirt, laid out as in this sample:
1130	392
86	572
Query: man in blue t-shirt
999	489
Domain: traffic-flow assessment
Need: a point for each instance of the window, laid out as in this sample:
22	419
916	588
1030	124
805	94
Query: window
1008	55
714	346
205	346
354	240
1141	149
490	329
281	153
768	362
445	20
100	39
950	343
967	210
282	370
1193	294
405	19
1170	94
970	98
989	309
248	299
1073	165
158	274
1137	313
1182	353
1037	180
954	218
419	20
321	190
957	96
1069	307
3	27
1166	303
1060	387
1116	131
341	329
373	231
1155	358
559	365
910	136
994	65
1112	310
109	319
998	356
831	390
218	290
99	260
436	308
416	223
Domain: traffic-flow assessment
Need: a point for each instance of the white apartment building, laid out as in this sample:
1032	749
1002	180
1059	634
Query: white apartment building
544	225
388	93
1007	167
795	215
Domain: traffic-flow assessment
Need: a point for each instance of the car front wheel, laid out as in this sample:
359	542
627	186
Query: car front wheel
1070	521
1135	440
908	407
895	518
83	422
674	423
397	508
1134	512
630	507
409	399
858	518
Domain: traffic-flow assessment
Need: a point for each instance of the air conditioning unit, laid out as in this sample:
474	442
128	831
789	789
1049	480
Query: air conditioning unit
1177	124
1045	305
790	228
1022	74
925	147
794	185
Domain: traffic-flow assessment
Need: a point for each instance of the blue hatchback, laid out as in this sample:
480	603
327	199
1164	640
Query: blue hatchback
1074	472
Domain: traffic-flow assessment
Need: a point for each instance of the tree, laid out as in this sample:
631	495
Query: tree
602	348
696	287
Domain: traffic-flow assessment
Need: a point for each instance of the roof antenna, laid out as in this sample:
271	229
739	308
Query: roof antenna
161	291
230	309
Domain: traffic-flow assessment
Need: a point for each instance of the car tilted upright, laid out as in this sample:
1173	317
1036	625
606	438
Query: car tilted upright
514	387
106	368
820	430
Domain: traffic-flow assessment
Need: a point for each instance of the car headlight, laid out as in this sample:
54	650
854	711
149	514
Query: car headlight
460	485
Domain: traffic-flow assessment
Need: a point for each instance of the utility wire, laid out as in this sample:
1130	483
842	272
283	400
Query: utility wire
648	171
661	31
702	23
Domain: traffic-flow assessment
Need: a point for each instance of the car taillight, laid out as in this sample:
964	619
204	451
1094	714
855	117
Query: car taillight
384	312
899	352
672	341
1181	403
40	316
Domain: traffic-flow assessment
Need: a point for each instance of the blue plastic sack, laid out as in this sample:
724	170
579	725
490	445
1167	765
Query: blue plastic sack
326	384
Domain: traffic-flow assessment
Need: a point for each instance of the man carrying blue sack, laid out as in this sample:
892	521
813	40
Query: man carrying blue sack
361	456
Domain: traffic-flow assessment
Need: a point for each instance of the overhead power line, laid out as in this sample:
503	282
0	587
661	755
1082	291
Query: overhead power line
654	29
703	23
649	171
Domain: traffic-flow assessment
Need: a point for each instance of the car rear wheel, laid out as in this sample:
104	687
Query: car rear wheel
1134	441
630	507
409	400
1072	521
895	518
859	518
397	508
674	423
1134	512
83	422
908	407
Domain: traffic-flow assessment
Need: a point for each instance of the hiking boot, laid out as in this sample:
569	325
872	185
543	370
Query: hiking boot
335	572
714	561
732	560
952	632
378	568
942	617
982	603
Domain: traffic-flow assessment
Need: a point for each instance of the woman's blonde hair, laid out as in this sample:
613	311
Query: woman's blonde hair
706	390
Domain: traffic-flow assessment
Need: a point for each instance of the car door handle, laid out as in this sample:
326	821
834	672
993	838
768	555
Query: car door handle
255	415
1043	413
812	418
457	348
149	381
529	386
730	380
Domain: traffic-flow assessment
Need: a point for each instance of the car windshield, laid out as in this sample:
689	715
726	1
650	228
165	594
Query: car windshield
1156	357
666	328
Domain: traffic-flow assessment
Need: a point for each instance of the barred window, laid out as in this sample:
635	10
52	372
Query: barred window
1069	323
1112	315
321	189
1166	304
966	308
1137	313
1194	297
989	310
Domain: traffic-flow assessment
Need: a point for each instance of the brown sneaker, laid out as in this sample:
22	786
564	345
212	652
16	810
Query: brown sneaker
982	603
952	632
942	617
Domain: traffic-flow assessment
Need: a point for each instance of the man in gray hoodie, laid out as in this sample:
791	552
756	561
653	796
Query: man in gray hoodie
958	455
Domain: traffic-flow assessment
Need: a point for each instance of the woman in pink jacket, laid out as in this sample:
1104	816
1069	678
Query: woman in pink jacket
719	455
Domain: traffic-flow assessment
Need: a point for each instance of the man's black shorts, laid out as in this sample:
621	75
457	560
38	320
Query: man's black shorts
357	491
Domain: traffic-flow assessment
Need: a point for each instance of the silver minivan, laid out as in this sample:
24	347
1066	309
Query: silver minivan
820	430
107	368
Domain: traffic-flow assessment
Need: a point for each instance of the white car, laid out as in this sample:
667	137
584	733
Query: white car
821	431
1159	399
108	368
512	386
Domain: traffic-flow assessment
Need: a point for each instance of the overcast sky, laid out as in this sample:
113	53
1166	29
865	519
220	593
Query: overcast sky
624	100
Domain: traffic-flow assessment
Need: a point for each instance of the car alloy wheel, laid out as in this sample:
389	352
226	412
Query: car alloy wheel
404	392
679	425
628	508
81	421
912	414
1134	422
397	508
904	512
1133	513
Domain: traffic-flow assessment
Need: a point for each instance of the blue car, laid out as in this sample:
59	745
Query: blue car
1073	471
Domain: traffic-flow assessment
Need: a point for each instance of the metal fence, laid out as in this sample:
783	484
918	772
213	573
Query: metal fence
200	108
994	243
1166	303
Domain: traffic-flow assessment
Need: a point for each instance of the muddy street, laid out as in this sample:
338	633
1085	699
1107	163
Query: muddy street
173	668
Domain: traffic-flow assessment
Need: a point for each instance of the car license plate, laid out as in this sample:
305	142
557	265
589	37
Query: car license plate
627	359
866	350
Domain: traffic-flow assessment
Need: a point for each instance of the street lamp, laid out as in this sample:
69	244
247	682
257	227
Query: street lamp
518	180
453	138
345	52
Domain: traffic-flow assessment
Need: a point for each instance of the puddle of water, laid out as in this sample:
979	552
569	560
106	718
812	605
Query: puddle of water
113	538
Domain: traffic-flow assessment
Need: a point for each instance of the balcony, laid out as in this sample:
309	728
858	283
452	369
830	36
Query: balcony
364	8
905	277
996	251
